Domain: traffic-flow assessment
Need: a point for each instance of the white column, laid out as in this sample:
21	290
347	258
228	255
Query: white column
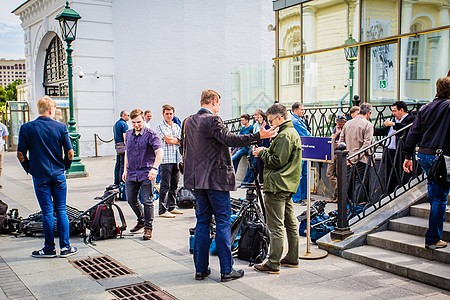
354	30
444	41
309	37
406	23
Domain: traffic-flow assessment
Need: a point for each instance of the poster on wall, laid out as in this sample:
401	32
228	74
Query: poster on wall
382	67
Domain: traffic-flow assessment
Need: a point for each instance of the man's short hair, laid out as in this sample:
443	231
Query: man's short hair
168	107
246	116
208	96
148	111
443	87
122	113
401	105
136	113
296	106
365	108
45	104
277	110
354	109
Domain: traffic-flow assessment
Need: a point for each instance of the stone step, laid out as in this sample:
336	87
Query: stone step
416	226
423	211
420	269
409	244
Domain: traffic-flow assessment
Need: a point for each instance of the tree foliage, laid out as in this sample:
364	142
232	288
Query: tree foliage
9	93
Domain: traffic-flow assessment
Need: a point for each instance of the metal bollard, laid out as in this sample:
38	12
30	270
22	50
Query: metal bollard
342	230
96	145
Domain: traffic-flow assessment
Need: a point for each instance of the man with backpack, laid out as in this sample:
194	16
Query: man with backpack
142	158
47	140
282	170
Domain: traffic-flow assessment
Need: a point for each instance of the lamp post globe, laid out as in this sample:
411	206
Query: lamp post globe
68	20
351	55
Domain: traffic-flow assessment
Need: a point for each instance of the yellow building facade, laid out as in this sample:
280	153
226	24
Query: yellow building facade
403	47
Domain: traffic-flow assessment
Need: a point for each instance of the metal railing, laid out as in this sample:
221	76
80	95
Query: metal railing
96	141
367	183
321	120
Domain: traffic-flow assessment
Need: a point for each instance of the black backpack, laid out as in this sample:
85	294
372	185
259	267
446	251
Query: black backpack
3	216
185	198
102	224
254	242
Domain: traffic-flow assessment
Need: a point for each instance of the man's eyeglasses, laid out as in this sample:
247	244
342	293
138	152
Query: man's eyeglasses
270	121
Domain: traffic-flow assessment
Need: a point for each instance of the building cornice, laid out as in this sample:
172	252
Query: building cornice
33	11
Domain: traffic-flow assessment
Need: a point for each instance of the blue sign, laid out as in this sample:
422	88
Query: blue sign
317	148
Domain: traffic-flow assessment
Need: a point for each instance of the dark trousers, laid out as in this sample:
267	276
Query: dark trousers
394	174
211	202
118	170
143	214
168	187
358	183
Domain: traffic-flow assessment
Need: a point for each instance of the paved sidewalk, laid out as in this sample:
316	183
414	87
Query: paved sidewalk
165	260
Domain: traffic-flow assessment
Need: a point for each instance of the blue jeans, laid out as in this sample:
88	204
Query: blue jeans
211	202
303	187
51	194
437	195
237	157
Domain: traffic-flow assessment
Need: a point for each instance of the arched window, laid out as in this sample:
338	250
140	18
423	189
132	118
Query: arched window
55	69
412	58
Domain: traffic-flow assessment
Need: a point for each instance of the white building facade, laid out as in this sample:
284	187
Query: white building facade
141	54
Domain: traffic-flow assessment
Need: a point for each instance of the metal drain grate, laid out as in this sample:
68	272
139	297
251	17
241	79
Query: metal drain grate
145	290
101	267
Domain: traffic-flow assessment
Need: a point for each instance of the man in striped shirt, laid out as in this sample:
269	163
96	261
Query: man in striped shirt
170	134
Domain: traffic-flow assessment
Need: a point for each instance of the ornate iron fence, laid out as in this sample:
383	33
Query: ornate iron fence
372	182
321	120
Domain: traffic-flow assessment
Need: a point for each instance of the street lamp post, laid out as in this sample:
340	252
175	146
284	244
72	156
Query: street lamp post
68	19
351	55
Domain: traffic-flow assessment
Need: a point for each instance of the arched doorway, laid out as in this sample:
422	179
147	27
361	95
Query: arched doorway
55	79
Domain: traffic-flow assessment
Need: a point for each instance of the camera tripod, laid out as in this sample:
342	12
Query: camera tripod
250	209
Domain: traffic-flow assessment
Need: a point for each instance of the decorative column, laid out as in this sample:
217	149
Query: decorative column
444	42
406	23
309	38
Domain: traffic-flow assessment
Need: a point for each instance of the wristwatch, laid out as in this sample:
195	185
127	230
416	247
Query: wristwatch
155	168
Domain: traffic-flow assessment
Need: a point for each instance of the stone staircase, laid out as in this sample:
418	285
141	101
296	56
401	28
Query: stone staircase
401	249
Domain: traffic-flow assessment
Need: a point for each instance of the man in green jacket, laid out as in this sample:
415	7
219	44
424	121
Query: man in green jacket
282	170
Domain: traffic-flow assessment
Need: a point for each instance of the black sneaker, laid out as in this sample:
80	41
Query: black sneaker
68	251
202	275
44	253
233	275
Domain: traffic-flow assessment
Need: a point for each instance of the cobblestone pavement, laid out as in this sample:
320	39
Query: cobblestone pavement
165	260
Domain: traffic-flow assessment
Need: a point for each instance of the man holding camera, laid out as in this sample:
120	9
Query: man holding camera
209	171
282	170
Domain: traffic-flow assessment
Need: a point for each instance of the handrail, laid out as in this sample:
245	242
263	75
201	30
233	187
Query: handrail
380	141
96	136
368	184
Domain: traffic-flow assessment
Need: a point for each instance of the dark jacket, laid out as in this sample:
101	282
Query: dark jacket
384	131
428	129
283	160
207	161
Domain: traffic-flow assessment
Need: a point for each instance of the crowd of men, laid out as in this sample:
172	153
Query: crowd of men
274	142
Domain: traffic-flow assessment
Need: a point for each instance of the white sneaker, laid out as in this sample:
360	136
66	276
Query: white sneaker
175	212
167	215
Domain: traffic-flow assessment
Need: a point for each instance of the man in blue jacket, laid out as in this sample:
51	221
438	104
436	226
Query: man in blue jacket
299	124
46	140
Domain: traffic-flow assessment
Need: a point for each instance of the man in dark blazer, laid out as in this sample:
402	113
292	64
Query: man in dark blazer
209	171
393	158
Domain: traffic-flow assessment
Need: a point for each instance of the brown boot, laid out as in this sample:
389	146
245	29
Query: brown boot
147	234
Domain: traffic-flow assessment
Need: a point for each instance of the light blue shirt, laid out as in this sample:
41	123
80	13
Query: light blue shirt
3	132
300	126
